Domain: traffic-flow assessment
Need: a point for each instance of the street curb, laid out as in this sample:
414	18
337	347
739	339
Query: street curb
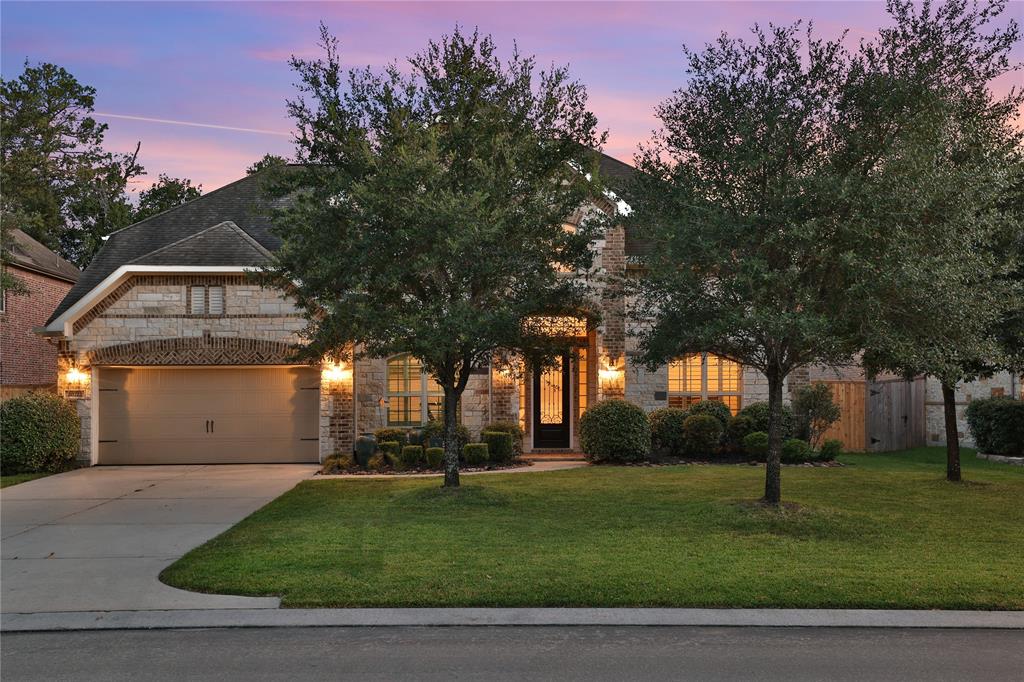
385	617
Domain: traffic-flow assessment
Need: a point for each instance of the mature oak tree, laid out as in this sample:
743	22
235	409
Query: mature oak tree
427	215
734	199
941	211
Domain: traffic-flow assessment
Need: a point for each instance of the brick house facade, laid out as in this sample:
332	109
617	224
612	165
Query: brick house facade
170	301
27	361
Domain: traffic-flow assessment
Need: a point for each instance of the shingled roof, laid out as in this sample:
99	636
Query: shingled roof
228	226
27	253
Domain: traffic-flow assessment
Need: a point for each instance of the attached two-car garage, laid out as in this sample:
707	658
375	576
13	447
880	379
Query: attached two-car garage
208	415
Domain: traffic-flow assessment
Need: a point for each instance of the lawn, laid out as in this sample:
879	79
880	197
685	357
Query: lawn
887	531
15	479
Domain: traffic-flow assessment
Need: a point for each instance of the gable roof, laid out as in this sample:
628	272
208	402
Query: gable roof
223	244
228	226
27	253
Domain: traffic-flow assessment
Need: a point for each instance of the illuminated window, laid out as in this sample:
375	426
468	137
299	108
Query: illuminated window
413	397
581	364
703	376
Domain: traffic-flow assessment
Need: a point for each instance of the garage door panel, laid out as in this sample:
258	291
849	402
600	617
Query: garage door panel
211	415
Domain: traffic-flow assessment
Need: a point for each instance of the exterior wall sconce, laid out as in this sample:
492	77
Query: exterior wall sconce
609	373
335	372
76	378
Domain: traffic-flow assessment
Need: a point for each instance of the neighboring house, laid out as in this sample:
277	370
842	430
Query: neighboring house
28	362
175	355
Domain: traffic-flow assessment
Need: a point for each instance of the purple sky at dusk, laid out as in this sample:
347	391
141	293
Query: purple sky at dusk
224	64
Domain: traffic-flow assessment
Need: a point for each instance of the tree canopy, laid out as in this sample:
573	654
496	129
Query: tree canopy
164	194
428	210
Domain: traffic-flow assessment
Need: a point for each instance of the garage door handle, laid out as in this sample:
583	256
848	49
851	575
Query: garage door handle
211	425
207	425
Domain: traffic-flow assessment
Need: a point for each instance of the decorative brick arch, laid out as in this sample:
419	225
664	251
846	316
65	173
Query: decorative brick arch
204	350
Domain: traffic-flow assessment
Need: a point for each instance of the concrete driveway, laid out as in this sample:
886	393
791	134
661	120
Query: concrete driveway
96	539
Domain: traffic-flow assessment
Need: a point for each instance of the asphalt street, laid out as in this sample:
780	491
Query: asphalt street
515	653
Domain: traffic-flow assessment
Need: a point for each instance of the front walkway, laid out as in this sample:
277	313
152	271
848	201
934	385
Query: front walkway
96	539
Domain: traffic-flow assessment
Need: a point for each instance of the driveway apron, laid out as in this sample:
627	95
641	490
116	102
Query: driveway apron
96	539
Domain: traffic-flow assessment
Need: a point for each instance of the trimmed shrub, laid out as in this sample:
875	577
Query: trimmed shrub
499	446
814	411
997	425
758	415
435	456
703	433
796	451
392	451
475	454
378	462
667	434
412	457
415	436
510	428
615	431
41	433
399	436
736	430
338	464
756	445
715	408
830	449
433	435
366	447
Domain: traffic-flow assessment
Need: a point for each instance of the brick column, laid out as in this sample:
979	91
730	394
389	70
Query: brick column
337	417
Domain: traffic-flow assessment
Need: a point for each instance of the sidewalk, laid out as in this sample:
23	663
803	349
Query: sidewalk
258	618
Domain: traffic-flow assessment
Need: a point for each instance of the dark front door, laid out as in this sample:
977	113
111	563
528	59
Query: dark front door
551	406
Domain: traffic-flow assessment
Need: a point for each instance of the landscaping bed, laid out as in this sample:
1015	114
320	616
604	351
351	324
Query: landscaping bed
887	532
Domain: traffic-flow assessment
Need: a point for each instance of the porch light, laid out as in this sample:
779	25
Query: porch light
609	373
75	377
335	372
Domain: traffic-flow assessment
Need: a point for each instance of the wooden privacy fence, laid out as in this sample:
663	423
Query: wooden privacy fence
850	429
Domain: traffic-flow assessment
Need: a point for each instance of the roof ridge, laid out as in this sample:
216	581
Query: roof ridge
187	203
230	223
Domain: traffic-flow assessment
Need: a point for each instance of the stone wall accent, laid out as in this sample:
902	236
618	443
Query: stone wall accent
476	403
370	380
1003	383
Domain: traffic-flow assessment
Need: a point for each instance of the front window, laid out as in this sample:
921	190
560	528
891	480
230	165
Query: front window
703	376
414	398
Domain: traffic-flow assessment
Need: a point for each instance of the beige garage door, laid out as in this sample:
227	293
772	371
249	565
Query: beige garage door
226	415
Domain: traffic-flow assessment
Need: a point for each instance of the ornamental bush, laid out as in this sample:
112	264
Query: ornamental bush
997	425
830	449
667	436
433	435
796	451
756	445
475	454
399	436
703	433
615	431
814	411
499	446
737	429
715	408
434	457
412	457
41	433
513	429
758	415
378	463
391	450
338	463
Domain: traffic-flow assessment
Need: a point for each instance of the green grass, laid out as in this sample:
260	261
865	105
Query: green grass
886	532
15	479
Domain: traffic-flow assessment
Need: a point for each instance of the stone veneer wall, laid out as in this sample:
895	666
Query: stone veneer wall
147	321
1002	383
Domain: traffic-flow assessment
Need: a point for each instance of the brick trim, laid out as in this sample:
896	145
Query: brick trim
206	350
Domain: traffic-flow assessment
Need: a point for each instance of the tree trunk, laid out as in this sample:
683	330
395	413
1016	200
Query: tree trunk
451	445
773	467
952	435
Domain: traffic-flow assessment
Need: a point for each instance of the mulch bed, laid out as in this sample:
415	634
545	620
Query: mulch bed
357	471
671	461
